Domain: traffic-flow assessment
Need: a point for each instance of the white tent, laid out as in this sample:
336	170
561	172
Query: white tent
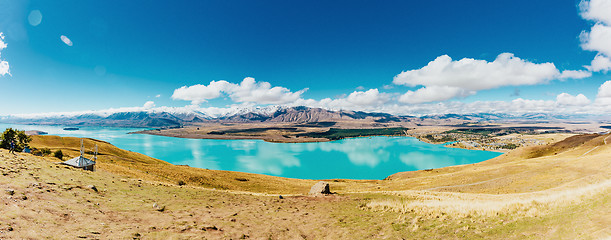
81	161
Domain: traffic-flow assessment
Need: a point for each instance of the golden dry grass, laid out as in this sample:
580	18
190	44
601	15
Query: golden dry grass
563	195
471	204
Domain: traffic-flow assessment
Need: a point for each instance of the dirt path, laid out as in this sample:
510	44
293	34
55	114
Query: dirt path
464	185
604	143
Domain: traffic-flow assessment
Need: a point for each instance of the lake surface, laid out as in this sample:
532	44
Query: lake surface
354	158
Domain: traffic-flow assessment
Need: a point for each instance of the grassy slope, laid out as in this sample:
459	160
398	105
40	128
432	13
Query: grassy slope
564	194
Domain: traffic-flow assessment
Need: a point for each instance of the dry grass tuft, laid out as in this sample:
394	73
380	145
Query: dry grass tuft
453	204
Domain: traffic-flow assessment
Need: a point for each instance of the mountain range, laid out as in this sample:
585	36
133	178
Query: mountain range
167	119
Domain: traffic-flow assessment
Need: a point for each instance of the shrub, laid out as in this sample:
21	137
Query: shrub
46	151
181	182
58	154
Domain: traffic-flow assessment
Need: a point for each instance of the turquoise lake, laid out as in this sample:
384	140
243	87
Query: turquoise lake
353	158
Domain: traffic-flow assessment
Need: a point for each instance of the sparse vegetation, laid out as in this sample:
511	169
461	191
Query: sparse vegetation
443	138
45	151
58	154
339	133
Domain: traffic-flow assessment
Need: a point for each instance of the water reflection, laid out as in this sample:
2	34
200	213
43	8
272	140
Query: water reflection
269	158
419	160
361	151
199	158
356	158
147	144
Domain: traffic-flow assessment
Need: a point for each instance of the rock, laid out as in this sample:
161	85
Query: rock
92	187
213	228
320	188
10	191
158	208
281	197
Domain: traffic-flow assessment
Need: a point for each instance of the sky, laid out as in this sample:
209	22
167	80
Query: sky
400	57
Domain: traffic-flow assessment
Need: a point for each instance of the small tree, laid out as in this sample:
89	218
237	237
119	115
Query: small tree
58	154
7	136
21	139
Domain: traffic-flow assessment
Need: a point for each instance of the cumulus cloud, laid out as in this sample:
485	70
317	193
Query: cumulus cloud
598	39
4	68
200	93
66	40
473	74
370	100
149	105
262	92
444	78
574	74
596	10
247	91
568	99
600	63
371	97
604	94
433	94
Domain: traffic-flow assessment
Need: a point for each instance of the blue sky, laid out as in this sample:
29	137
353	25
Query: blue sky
125	53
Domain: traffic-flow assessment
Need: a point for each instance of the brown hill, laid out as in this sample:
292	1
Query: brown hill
557	196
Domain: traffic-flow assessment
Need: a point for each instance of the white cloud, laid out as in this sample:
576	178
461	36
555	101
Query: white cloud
200	93
369	100
444	78
574	74
158	95
568	99
600	63
388	86
247	91
4	68
473	74
598	39
66	40
596	10
262	92
149	105
371	97
604	94
433	94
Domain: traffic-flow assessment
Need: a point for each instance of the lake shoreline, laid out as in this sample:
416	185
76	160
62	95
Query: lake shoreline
316	135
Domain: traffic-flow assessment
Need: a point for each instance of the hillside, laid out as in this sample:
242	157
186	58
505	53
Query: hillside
563	195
